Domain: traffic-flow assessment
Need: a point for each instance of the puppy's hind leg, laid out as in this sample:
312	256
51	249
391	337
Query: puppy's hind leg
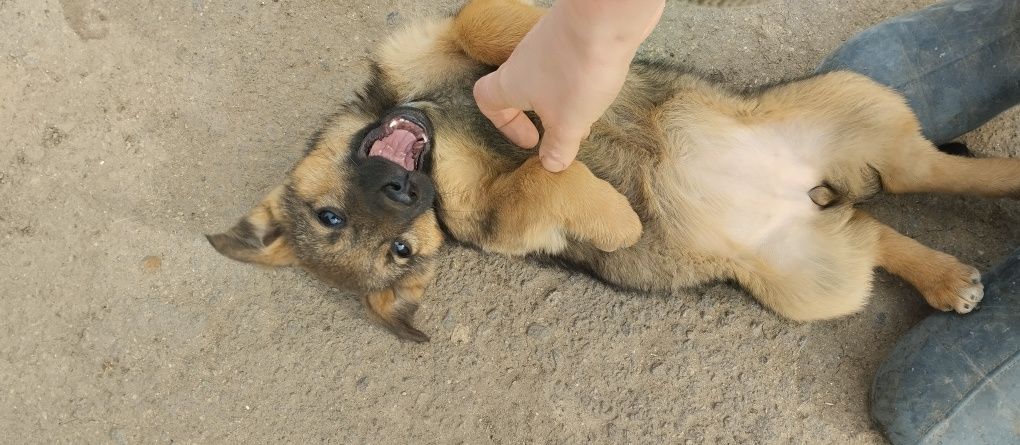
830	274
820	271
945	283
915	165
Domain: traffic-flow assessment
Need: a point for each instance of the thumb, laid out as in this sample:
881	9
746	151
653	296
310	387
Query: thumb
559	147
506	115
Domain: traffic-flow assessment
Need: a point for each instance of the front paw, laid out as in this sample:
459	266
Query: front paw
614	224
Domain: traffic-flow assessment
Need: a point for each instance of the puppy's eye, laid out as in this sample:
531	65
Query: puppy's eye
401	249
331	218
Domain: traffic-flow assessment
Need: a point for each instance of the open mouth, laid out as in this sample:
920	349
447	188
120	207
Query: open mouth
401	140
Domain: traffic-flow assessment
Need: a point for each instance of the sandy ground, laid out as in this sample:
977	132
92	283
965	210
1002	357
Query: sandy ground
129	129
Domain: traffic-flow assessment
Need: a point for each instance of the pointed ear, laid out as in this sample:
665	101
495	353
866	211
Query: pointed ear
259	237
489	30
394	307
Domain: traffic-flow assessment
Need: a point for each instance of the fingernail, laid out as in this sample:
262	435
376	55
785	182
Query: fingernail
552	164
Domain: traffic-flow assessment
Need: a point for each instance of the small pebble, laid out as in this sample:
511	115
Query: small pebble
537	330
393	18
756	331
151	263
461	334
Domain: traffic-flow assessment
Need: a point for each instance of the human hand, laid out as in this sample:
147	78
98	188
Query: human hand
568	69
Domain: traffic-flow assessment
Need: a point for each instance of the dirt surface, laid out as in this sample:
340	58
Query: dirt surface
129	129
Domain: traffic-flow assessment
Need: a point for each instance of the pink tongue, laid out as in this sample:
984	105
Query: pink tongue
396	147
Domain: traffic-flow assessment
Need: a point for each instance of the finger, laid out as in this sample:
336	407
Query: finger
559	148
518	128
506	116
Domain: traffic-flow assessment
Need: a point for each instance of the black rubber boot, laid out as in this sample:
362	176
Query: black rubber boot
955	379
957	62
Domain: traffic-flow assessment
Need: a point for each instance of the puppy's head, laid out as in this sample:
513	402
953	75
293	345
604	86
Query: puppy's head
357	210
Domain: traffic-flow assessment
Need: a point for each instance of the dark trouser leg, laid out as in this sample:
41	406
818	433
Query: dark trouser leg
957	62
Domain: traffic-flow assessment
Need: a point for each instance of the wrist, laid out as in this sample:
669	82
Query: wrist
605	30
627	21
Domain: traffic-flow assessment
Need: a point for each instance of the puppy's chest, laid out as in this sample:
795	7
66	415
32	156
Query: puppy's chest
747	187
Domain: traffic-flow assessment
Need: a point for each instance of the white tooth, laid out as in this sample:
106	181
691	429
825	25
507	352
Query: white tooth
393	123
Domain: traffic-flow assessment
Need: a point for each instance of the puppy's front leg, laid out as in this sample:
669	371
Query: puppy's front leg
489	30
537	211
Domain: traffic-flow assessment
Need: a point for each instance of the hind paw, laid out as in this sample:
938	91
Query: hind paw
959	289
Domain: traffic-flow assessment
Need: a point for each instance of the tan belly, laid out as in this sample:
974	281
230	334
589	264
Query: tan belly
743	192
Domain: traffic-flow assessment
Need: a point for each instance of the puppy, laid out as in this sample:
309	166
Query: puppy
681	182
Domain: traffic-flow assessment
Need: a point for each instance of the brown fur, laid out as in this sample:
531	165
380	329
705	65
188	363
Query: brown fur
681	182
257	238
488	30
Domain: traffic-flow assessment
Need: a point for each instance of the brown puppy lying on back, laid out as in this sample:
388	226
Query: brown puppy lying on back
681	182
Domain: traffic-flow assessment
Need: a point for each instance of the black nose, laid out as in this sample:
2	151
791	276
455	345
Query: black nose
400	190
